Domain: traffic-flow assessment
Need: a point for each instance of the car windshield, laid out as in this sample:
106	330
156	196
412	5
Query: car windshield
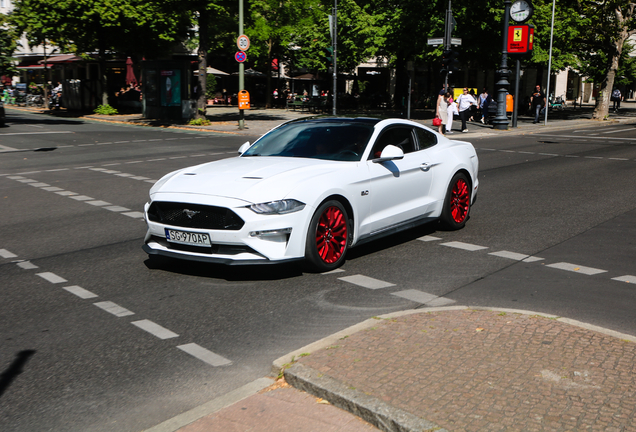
322	139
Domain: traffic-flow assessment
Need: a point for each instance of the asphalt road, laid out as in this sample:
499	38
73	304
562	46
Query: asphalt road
95	337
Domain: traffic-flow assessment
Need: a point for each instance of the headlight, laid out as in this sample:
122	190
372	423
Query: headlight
278	207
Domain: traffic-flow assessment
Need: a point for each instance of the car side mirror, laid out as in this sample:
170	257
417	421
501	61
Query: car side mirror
390	152
242	149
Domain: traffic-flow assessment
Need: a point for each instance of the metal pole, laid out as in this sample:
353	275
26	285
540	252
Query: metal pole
547	90
501	121
448	22
241	69
335	54
408	110
516	99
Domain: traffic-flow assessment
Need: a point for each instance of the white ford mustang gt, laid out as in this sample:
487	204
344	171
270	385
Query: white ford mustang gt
309	190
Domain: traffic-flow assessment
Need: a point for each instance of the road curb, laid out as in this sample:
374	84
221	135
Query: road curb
184	419
370	409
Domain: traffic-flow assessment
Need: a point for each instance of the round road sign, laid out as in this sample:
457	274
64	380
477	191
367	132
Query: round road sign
240	56
243	42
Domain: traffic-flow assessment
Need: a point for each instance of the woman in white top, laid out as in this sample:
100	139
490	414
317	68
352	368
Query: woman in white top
464	102
442	112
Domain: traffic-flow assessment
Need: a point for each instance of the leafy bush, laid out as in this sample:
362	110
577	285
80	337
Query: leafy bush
199	122
210	86
105	110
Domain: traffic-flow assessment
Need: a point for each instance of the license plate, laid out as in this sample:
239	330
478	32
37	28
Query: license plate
188	238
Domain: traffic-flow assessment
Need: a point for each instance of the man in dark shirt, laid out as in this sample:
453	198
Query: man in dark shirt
538	102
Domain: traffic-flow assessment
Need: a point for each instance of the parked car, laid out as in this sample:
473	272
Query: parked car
309	190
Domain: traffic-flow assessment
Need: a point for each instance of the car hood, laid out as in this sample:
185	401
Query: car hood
252	179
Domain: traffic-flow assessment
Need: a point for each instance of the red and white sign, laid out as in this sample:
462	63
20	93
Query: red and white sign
520	39
243	43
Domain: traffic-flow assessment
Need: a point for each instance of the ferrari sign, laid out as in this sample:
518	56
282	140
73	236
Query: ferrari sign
520	39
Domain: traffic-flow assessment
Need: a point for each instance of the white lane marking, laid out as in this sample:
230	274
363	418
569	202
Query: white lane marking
338	270
415	295
204	355
124	175
52	189
151	181
98	169
509	255
111	171
26	265
155	160
440	301
155	329
86	145
56	169
15	177
66	193
116	208
533	259
177	157
576	268
39	184
6	254
6	148
626	278
140	178
548	154
133	162
51	277
465	246
81	198
135	215
578	136
618	159
114	308
80	292
366	282
30	172
428	238
98	203
619	130
36	133
28	181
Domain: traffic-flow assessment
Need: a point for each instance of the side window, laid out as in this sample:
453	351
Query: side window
425	138
401	137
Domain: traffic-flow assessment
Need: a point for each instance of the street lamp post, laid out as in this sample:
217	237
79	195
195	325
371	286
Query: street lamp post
501	120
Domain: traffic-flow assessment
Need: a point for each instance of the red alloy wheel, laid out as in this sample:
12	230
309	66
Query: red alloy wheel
459	202
331	235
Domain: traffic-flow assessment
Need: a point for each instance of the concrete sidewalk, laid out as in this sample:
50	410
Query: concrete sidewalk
445	369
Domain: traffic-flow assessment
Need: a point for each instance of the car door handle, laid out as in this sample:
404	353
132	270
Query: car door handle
425	167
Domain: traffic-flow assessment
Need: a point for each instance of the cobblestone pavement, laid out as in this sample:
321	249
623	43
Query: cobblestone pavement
486	370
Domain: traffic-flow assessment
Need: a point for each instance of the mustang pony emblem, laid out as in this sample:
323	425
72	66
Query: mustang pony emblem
190	213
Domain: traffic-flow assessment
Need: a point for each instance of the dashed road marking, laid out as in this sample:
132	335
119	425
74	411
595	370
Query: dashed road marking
114	309
116	208
98	203
39	184
366	282
82	198
134	215
428	238
52	189
80	292
576	268
66	193
155	329
626	278
509	255
464	246
204	355
415	295
26	265
6	254
51	277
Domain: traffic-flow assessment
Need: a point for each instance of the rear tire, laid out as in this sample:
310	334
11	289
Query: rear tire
327	237
457	203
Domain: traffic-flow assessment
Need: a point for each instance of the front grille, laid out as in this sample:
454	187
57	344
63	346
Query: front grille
194	216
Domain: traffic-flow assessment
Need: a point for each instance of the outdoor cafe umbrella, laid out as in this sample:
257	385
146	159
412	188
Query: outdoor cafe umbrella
130	74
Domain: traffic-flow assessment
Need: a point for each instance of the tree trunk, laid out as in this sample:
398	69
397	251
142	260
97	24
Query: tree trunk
202	53
268	103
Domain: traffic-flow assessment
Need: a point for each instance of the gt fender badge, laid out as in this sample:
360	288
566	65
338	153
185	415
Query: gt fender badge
365	193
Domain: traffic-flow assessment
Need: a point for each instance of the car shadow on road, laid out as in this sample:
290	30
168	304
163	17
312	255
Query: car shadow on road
15	369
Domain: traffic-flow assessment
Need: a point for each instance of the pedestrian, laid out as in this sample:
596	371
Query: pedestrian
473	108
464	103
616	98
442	112
538	102
484	101
451	111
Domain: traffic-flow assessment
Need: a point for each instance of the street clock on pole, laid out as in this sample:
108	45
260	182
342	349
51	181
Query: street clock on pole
521	11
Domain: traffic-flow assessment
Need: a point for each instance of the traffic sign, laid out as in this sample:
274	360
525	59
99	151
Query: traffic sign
243	43
435	41
240	56
456	41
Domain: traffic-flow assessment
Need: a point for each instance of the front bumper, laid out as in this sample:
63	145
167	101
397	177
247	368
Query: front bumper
263	239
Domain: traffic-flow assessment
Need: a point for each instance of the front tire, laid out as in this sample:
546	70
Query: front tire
457	203
327	237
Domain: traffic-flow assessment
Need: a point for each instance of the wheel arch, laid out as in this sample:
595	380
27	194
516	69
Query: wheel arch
348	207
